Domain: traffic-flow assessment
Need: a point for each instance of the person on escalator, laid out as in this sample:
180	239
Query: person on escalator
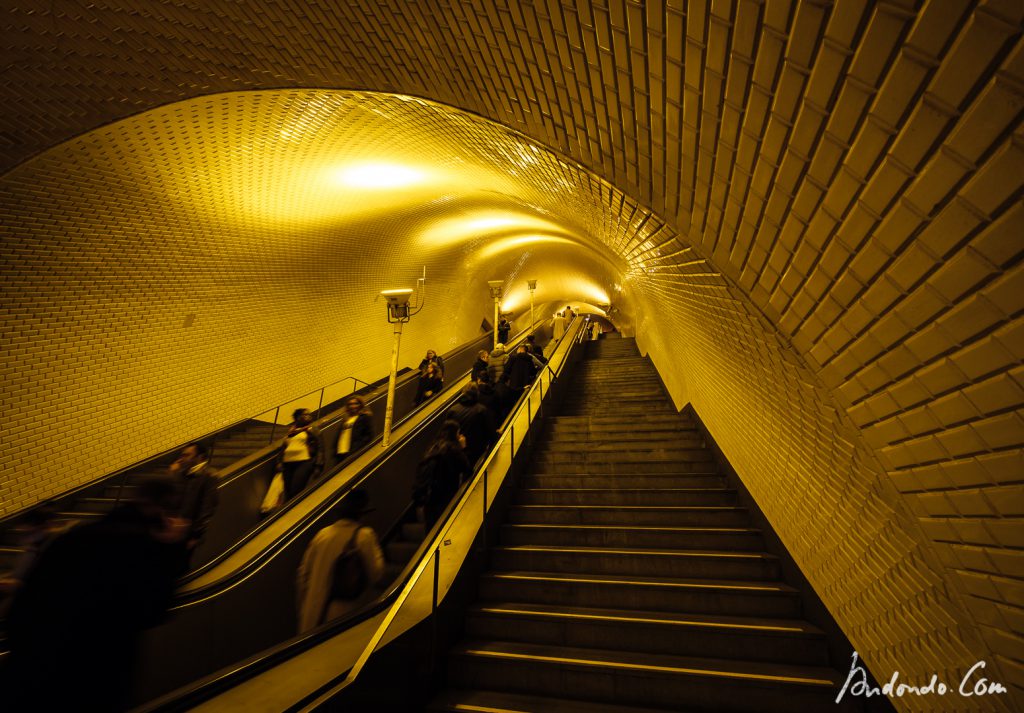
490	396
430	384
76	622
432	357
442	470
520	370
356	430
197	491
475	422
496	363
480	365
340	565
504	327
301	457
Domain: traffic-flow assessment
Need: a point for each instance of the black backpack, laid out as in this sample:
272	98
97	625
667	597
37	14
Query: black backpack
350	578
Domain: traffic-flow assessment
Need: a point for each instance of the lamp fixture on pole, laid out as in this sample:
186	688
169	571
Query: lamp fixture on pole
399	312
532	285
495	286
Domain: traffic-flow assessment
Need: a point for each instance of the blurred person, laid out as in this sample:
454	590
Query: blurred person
504	327
40	527
301	457
480	365
430	384
443	468
318	598
475	423
490	396
356	429
496	363
534	348
432	358
558	326
76	622
520	370
197	491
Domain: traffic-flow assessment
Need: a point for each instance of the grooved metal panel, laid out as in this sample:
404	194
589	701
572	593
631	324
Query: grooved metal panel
811	210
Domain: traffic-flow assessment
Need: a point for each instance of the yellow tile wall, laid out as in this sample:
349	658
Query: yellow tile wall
829	192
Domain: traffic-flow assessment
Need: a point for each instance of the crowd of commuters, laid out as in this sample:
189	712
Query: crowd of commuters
79	598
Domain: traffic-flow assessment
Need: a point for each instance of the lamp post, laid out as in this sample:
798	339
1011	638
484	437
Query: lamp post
495	286
398	314
532	285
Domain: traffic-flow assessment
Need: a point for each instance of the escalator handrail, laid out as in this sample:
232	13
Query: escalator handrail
432	544
207	687
197	594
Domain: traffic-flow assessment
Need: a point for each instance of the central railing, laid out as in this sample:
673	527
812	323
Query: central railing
452	543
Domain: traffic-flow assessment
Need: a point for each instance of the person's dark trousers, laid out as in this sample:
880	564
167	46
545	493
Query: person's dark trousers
296	476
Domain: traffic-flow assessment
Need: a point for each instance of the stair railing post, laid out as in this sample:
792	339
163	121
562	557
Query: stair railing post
273	428
433	611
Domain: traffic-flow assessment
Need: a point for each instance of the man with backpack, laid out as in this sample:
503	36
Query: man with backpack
341	564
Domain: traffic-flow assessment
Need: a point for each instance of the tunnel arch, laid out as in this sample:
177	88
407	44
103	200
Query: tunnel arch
839	257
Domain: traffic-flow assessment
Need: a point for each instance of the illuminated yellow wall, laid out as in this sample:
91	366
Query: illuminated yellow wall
812	212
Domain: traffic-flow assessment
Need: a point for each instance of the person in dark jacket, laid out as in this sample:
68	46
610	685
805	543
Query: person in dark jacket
301	457
442	470
197	484
519	372
534	348
475	423
504	327
429	385
491	396
480	365
432	358
76	623
356	430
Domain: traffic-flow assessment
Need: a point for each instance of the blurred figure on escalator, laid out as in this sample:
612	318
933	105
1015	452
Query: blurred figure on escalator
475	422
340	566
76	622
356	430
431	381
301	457
432	357
504	327
197	491
480	365
520	370
496	363
442	470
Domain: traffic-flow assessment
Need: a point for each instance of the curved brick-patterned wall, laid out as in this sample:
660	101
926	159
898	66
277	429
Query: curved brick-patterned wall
852	171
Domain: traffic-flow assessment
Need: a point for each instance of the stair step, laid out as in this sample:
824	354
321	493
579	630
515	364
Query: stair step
623	467
755	639
643	678
737	538
665	454
471	701
700	596
644	421
553	443
694	564
629	515
650	480
626	496
400	551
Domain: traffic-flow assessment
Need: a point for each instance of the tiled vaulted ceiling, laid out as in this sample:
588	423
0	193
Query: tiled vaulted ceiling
850	170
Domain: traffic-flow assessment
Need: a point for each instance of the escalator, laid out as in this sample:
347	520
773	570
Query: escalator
250	613
248	568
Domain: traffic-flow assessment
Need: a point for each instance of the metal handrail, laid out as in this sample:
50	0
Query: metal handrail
384	602
410	582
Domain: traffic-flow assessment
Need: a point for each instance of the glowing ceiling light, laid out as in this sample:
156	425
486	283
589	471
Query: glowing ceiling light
478	224
519	242
376	176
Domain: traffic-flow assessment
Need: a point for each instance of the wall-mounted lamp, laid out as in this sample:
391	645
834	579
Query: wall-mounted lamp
400	311
531	285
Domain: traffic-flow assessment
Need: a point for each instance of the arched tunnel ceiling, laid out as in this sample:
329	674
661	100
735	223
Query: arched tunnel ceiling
817	205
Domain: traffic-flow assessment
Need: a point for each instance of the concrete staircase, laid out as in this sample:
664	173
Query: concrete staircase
627	579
